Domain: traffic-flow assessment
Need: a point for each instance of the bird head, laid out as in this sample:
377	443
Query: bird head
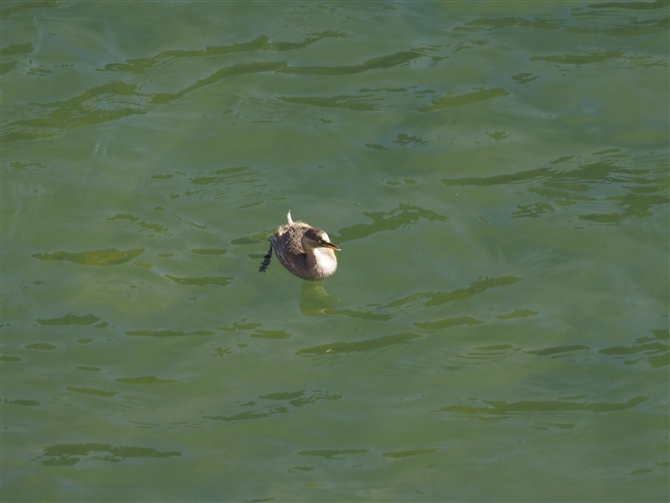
316	238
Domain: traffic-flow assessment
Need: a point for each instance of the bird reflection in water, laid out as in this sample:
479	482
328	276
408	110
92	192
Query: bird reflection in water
308	253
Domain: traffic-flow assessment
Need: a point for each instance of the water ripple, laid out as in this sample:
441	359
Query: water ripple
503	408
656	350
358	346
404	215
431	299
71	454
101	258
260	44
288	401
636	190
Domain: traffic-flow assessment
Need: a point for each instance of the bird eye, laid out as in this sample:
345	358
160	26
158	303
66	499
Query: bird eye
320	241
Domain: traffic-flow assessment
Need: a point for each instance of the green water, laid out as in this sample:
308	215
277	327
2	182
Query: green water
496	174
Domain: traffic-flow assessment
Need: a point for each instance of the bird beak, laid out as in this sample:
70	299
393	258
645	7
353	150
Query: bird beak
331	246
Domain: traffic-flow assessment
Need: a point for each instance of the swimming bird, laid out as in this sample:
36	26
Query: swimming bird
304	250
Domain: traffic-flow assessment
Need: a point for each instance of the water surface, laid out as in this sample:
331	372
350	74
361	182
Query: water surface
496	174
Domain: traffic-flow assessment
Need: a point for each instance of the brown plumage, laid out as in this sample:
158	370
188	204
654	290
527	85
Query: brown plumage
304	250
